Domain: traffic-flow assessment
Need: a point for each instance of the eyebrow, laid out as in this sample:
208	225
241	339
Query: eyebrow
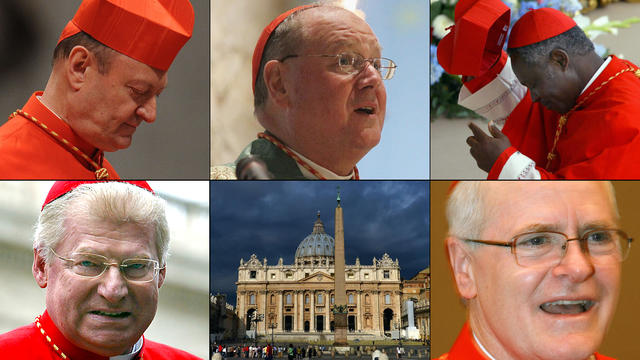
537	227
92	251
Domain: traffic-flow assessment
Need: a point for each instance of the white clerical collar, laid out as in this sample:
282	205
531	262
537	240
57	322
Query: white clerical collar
328	174
134	351
600	70
482	347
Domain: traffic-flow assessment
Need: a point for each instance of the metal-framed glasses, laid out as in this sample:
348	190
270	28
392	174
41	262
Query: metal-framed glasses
549	247
354	63
93	266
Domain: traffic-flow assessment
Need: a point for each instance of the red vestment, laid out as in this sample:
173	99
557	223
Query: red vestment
465	348
29	152
28	343
601	139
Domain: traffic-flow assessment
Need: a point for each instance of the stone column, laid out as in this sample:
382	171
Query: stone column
301	315
327	306
359	311
312	312
280	312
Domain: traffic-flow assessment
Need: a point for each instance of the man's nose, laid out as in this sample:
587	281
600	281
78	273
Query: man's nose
576	264
369	76
147	111
113	285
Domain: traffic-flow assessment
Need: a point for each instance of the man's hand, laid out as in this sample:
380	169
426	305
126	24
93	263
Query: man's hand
484	148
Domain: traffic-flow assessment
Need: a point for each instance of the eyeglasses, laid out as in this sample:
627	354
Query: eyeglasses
93	266
549	247
353	63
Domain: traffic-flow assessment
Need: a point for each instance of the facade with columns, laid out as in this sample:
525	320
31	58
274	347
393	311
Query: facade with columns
296	299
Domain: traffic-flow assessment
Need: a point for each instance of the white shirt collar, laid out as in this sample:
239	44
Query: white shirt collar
600	70
134	351
482	347
328	174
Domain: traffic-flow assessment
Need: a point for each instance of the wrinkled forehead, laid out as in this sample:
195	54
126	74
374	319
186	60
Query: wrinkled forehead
564	206
328	28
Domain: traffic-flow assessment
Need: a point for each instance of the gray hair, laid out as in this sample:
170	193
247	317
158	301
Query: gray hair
284	40
466	209
573	41
115	202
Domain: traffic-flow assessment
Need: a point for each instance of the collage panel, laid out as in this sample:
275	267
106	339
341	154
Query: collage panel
320	269
82	307
334	105
534	89
565	303
126	95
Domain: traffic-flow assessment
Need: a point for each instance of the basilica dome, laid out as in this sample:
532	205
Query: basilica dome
316	244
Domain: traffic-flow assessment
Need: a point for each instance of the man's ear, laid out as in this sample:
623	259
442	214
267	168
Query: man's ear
161	274
80	58
461	267
559	57
39	269
273	76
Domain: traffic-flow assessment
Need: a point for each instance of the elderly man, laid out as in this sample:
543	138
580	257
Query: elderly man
109	66
569	113
318	92
100	251
538	266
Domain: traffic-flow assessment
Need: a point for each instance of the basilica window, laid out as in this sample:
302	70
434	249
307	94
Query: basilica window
350	298
289	275
273	275
252	274
367	300
385	274
273	299
252	299
333	299
288	299
320	300
306	299
387	298
366	275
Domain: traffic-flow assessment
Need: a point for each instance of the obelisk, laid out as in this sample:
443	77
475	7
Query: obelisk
340	294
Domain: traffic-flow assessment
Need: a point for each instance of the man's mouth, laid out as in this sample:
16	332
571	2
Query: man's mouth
562	307
369	110
116	315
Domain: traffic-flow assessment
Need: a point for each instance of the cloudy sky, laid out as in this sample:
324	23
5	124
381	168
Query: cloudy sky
270	219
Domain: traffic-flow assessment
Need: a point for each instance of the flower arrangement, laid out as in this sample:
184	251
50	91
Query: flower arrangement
444	88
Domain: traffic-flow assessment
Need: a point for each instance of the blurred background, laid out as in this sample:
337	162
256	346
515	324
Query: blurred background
402	29
182	319
448	314
175	146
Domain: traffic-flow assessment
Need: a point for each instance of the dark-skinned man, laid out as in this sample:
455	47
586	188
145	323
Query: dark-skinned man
566	112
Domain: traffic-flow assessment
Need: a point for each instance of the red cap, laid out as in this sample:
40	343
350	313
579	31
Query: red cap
60	188
150	31
538	25
264	37
475	42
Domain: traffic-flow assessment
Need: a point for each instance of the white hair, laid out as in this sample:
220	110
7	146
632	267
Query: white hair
466	208
117	202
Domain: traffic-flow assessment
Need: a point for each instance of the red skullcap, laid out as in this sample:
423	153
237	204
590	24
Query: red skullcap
538	25
60	188
475	42
150	31
264	37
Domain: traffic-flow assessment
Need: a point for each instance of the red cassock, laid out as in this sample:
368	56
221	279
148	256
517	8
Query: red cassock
465	348
601	139
29	152
28	342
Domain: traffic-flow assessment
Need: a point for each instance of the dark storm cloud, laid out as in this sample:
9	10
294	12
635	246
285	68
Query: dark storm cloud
270	219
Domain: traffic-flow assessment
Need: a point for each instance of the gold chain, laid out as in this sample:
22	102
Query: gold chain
53	345
280	145
563	119
100	172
